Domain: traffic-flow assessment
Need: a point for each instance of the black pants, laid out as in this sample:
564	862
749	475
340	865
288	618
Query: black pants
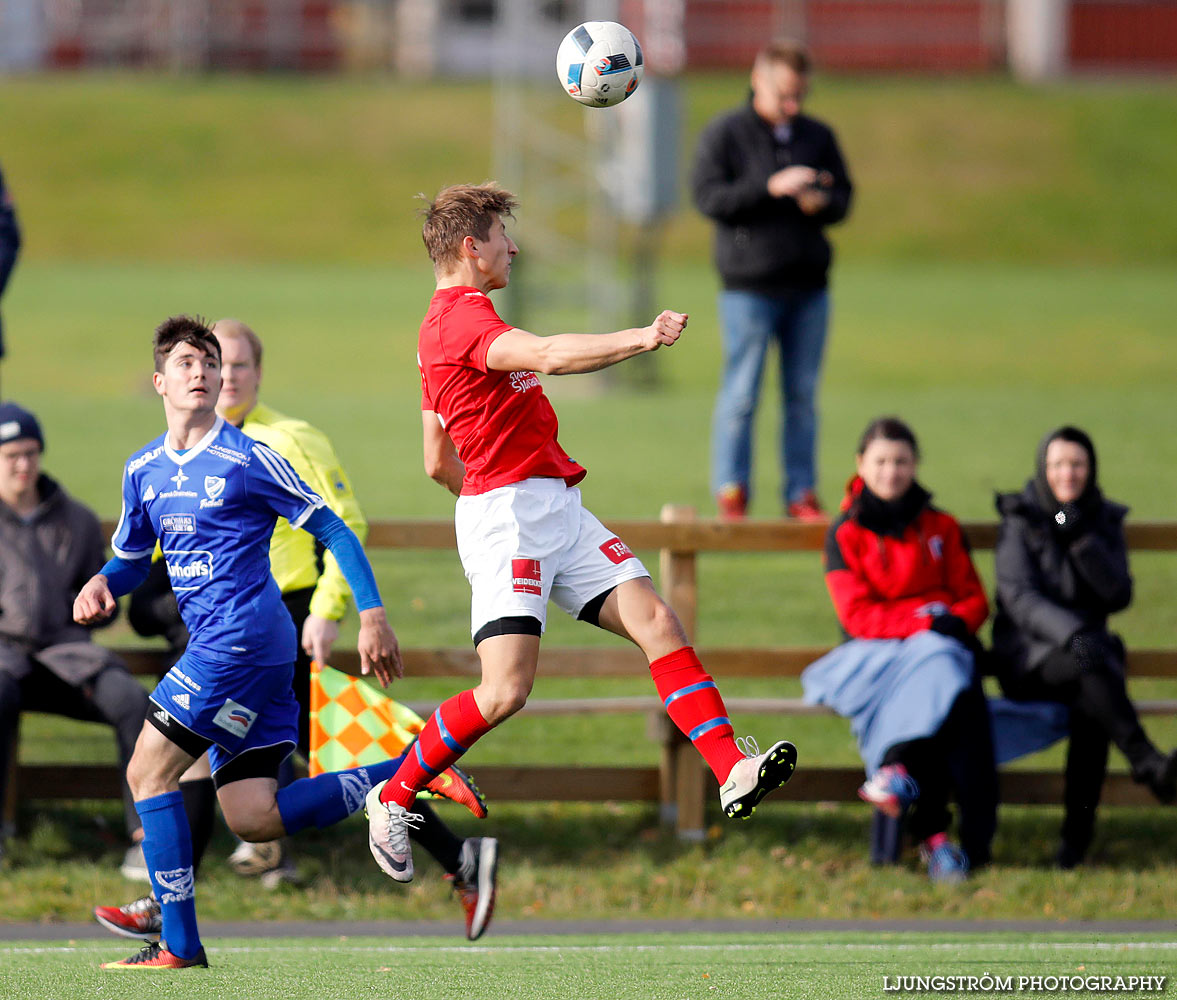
1101	712
112	696
957	760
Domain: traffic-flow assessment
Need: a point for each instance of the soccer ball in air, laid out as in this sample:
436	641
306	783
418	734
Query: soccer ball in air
599	63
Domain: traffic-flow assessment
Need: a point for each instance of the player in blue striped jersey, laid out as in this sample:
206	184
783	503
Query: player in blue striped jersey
211	495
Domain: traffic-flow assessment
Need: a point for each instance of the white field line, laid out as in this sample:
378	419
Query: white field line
875	948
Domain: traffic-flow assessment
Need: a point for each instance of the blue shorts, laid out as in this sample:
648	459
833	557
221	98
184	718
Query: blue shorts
236	706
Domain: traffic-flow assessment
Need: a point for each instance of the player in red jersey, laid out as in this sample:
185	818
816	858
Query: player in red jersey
523	536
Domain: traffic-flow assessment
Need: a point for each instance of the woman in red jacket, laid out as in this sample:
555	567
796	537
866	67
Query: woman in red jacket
910	603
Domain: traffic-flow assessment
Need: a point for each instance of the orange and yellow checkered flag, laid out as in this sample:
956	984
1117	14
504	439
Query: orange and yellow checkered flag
353	724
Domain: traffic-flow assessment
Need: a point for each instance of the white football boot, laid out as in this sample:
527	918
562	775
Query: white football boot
755	776
388	835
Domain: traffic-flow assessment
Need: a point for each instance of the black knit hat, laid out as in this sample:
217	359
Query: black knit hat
16	423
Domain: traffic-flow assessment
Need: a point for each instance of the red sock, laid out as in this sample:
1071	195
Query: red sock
448	734
695	705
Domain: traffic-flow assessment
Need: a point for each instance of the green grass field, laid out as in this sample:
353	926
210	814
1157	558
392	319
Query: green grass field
651	967
1008	267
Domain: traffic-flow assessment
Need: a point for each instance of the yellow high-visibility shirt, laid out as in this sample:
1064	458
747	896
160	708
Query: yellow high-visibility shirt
293	558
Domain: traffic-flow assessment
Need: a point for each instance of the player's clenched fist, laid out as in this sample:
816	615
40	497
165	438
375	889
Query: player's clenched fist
667	328
379	651
94	602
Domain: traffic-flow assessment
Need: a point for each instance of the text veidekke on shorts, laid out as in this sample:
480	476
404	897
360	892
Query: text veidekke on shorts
1024	984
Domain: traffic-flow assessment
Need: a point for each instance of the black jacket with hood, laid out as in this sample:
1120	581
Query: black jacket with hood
1061	568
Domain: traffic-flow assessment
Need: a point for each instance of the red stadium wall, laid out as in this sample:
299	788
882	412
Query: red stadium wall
1123	35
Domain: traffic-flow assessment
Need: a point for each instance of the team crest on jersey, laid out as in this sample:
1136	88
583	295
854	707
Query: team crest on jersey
525	576
214	487
234	718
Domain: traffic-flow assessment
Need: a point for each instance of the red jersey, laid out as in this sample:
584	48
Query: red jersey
883	582
502	424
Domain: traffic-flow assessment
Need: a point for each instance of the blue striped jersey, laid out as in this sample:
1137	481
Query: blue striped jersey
212	509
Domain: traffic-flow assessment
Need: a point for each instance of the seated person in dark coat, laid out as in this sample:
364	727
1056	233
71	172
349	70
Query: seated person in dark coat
1062	568
49	546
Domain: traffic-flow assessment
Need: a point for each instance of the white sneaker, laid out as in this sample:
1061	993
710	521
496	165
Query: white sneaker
134	867
388	834
756	775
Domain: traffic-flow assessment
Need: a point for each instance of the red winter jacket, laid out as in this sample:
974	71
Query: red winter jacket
883	577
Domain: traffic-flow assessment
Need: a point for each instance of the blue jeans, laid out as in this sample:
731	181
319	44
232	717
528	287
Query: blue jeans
796	321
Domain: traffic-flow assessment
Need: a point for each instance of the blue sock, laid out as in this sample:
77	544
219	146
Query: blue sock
329	798
167	849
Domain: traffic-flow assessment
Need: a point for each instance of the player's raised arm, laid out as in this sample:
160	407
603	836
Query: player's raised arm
575	353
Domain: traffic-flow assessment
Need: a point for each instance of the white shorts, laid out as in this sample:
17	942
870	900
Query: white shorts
533	540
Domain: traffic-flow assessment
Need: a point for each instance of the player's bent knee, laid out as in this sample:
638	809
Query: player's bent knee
502	701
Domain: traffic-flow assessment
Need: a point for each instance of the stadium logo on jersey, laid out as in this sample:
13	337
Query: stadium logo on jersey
525	576
192	572
182	699
234	718
616	550
178	884
149	494
214	486
178	524
143	459
522	381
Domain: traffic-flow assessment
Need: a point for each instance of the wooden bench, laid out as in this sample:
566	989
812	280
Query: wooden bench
680	783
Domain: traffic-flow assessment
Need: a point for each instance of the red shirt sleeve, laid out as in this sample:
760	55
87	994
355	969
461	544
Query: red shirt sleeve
863	612
473	328
968	593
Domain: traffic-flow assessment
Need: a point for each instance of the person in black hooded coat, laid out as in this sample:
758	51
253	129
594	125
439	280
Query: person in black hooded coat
1062	568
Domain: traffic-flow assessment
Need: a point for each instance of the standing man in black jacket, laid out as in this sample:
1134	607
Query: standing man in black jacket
772	179
9	245
1062	568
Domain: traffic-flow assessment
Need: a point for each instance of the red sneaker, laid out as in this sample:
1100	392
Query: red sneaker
155	956
808	508
475	883
140	919
733	503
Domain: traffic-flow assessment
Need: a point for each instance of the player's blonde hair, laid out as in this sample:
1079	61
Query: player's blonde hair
459	211
227	329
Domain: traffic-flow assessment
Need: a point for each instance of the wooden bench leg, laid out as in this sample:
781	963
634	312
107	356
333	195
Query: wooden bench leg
663	732
691	787
11	788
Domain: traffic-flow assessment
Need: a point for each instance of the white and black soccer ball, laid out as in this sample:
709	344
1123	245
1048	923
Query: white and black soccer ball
599	63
